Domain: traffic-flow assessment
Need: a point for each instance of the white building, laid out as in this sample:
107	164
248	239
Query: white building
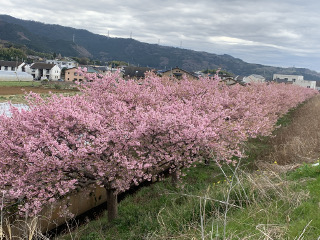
306	84
254	78
294	79
12	66
289	78
63	63
41	71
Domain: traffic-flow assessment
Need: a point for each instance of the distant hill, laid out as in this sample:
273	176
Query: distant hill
20	35
55	38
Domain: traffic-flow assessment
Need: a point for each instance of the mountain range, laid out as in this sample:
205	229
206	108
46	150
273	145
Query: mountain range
67	41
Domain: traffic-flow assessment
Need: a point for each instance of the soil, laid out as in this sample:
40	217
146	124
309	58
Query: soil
23	90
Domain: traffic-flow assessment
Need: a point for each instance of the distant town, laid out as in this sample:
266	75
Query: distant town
66	69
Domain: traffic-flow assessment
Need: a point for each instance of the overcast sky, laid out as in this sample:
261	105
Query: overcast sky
283	33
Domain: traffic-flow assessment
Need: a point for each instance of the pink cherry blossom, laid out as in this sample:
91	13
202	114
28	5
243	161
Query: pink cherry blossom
118	133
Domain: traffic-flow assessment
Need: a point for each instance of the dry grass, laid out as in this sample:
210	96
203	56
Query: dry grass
20	230
299	141
255	200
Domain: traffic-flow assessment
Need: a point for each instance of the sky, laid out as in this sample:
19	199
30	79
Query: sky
284	33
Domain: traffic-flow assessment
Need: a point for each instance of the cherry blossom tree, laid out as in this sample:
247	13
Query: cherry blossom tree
118	133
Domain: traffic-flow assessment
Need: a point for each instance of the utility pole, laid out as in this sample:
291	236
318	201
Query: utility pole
73	38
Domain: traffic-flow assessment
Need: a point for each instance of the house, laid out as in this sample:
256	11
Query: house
307	84
288	78
72	74
12	66
294	79
64	63
90	69
135	72
102	69
239	78
41	71
226	78
254	78
34	58
178	73
200	74
229	81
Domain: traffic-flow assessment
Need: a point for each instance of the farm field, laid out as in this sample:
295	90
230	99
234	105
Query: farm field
15	91
21	90
20	84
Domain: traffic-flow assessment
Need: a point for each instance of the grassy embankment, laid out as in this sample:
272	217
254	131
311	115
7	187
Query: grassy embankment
272	194
15	91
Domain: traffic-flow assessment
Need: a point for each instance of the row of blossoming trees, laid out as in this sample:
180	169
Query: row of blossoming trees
118	133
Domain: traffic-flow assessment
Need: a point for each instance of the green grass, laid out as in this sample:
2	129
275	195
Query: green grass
144	212
20	84
280	206
13	98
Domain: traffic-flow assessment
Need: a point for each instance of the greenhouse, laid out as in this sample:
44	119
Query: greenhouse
15	76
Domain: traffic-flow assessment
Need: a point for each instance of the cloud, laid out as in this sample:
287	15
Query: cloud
280	32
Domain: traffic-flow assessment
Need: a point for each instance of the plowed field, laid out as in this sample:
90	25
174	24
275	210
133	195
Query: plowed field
21	90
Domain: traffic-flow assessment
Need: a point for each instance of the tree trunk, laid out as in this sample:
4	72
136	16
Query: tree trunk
112	204
207	161
175	177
